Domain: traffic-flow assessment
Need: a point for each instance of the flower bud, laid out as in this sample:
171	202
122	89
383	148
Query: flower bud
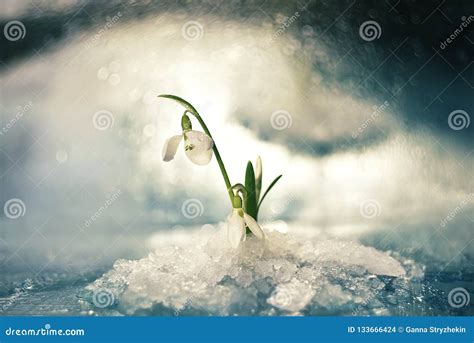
236	202
186	123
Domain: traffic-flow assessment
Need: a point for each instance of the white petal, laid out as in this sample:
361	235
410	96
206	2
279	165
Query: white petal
235	229
253	226
170	147
198	147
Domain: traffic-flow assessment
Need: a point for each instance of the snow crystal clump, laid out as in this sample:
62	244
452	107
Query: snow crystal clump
291	274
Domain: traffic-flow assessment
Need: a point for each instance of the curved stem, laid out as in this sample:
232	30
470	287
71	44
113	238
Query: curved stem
195	113
216	152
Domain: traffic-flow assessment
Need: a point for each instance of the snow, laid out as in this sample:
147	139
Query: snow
198	273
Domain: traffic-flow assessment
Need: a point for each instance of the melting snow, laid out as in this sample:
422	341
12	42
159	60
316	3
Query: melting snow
200	274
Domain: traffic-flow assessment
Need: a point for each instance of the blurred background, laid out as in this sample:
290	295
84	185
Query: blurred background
365	107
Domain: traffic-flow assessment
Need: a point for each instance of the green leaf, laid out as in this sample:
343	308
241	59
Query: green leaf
250	202
268	190
258	179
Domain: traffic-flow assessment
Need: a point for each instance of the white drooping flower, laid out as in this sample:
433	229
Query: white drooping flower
236	227
197	146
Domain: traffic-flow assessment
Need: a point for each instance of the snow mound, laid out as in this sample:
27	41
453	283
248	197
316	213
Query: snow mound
290	274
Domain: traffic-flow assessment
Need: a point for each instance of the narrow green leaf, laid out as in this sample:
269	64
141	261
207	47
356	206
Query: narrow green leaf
258	179
251	200
268	190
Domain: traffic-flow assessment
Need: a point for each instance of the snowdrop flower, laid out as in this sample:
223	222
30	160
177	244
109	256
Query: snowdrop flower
197	145
236	227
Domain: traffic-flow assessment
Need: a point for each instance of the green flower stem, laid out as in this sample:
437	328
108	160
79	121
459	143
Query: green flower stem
196	114
217	154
